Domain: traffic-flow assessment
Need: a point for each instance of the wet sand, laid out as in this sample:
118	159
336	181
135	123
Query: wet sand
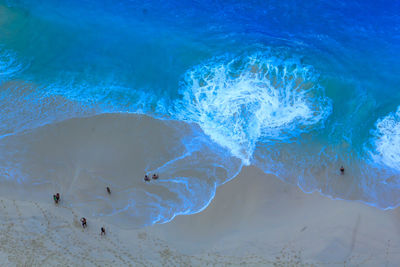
254	220
80	157
259	215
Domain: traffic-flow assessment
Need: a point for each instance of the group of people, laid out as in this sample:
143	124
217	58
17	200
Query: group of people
56	198
147	178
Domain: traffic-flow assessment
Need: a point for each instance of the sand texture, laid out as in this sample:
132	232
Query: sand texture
254	220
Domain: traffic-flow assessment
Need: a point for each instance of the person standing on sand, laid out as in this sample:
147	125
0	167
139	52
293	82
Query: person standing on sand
56	198
83	221
342	170
103	231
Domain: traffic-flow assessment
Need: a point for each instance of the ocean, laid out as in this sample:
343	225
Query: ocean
296	88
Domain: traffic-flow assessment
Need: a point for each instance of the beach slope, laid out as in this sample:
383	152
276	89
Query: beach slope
254	220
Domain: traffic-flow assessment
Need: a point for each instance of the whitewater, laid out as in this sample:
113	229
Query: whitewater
105	93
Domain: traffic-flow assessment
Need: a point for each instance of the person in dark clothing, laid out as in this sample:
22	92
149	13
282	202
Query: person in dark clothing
103	231
146	178
56	198
108	190
83	221
155	176
342	170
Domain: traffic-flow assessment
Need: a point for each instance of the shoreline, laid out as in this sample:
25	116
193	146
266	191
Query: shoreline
80	157
255	219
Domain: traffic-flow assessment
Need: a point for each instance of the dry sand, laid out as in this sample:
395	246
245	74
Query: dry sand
254	220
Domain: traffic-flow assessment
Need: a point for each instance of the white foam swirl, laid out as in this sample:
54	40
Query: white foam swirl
243	100
387	140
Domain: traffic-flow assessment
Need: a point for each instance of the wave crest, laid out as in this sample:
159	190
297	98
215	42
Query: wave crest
240	101
387	140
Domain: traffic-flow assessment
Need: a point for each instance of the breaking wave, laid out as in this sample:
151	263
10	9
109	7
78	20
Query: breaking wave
386	141
240	101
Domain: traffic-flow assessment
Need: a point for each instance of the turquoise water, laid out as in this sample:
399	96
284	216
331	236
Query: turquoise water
294	87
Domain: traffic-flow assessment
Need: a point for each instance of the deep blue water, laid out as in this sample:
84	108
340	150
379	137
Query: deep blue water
297	88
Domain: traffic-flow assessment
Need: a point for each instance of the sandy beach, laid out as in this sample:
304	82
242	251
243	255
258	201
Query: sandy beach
271	128
254	220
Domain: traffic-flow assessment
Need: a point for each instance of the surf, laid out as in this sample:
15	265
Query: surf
386	141
241	100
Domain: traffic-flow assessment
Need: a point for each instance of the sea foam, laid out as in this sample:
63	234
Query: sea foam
9	65
242	100
387	140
